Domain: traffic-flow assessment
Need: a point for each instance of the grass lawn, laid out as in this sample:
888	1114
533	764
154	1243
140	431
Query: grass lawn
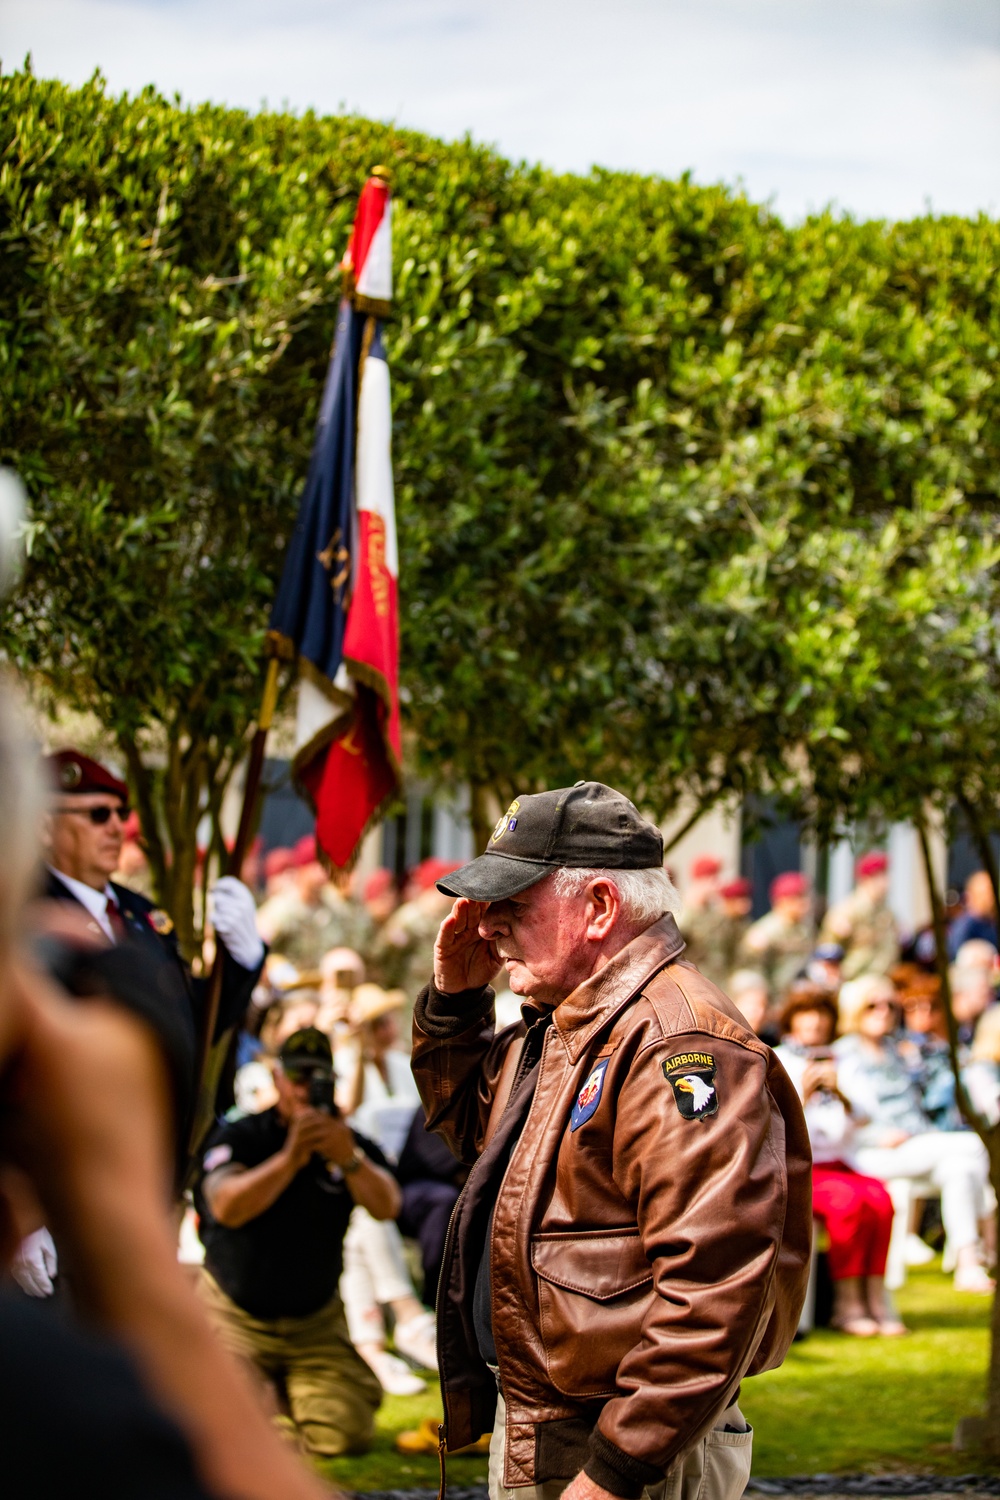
846	1404
836	1403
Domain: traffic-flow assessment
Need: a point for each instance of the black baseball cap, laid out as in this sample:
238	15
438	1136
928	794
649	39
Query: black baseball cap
586	826
308	1048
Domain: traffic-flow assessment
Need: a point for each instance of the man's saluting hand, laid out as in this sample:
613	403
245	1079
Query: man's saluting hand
463	959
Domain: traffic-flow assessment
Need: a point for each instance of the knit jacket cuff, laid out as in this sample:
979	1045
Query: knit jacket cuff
616	1470
446	1016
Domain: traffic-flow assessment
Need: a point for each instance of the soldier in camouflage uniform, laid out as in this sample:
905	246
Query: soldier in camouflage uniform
735	902
701	921
779	944
401	954
310	917
863	923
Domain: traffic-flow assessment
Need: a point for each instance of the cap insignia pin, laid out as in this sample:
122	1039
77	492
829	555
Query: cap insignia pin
507	822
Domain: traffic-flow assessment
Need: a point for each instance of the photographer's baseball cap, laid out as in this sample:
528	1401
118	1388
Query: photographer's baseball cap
586	826
307	1048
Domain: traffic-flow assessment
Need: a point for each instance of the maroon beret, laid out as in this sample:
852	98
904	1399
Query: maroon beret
277	861
705	866
304	852
736	889
73	773
875	863
791	883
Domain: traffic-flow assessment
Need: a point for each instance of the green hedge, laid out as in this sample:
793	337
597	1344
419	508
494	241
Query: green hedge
625	409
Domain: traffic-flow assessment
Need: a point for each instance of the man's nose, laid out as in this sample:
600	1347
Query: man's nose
493	922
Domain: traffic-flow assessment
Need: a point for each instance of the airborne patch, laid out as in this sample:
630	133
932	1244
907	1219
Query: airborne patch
692	1078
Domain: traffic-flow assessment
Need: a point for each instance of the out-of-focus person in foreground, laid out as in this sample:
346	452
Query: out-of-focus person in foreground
633	1238
134	1398
137	1398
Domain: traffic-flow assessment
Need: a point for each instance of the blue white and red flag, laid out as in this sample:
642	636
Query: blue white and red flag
337	609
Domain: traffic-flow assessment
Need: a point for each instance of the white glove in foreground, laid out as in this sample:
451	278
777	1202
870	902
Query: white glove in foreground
234	918
35	1264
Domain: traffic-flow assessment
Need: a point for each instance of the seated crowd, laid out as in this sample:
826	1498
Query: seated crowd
860	1027
320	1213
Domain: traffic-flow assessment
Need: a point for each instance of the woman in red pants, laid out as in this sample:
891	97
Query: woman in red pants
856	1210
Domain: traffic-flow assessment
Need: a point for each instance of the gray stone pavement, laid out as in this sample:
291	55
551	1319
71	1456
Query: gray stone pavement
801	1486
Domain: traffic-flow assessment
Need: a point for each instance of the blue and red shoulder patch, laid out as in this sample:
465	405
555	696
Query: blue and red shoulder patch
589	1096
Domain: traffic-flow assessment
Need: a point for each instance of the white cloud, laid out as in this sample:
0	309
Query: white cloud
880	105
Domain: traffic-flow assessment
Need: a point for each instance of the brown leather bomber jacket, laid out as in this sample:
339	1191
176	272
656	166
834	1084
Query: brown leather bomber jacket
650	1244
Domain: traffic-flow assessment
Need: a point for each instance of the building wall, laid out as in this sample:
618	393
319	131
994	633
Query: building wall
718	833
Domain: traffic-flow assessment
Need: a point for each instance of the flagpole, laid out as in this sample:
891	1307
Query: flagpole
251	790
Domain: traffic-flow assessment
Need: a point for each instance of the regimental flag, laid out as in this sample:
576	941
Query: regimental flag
337	610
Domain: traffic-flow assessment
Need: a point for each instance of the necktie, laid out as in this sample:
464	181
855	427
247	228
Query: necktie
115	920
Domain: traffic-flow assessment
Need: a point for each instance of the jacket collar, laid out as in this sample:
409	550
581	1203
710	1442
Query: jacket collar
592	1004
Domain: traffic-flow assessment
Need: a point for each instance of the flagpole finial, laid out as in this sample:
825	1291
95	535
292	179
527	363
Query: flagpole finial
383	174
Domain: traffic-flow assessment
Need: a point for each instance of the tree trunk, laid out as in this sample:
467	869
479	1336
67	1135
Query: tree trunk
481	815
696	816
979	829
992	1443
142	790
988	1134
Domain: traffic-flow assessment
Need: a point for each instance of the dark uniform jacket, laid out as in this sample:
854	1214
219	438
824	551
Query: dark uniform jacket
148	974
651	1237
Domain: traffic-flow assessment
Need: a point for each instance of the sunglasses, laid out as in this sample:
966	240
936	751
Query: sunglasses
99	815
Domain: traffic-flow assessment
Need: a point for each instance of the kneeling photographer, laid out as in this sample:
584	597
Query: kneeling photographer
275	1201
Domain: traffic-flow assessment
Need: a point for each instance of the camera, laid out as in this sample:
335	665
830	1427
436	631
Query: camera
321	1091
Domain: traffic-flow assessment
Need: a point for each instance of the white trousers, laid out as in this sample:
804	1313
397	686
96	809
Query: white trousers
716	1468
375	1274
954	1160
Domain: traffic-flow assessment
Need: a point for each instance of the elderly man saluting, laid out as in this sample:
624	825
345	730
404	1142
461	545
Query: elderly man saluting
633	1238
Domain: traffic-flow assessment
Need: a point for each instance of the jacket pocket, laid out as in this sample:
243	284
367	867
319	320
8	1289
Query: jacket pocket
593	1293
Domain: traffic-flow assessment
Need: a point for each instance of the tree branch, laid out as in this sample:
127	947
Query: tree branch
969	1113
981	838
142	787
700	810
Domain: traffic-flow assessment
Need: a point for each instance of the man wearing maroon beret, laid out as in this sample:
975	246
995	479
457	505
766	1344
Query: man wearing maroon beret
863	923
735	905
779	944
135	957
83	841
701	921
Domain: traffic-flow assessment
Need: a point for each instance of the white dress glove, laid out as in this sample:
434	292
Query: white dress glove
234	917
35	1264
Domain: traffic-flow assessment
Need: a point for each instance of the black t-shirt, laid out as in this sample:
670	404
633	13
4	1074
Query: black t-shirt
286	1263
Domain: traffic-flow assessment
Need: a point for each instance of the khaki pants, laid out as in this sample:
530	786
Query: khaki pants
716	1468
332	1394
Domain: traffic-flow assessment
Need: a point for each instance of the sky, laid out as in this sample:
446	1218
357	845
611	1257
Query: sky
882	108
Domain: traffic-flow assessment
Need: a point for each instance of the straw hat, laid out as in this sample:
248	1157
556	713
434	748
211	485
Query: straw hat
371	1001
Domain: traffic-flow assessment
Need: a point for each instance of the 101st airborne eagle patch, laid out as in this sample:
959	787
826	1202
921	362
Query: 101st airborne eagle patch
692	1078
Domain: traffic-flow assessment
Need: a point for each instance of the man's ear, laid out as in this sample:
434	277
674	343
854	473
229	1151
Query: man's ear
45	832
603	907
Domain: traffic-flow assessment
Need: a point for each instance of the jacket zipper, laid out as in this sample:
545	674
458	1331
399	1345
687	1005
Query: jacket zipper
527	1122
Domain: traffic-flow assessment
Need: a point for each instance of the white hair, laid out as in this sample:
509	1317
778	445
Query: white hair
645	895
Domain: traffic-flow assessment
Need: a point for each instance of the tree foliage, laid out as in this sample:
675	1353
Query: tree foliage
649	444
